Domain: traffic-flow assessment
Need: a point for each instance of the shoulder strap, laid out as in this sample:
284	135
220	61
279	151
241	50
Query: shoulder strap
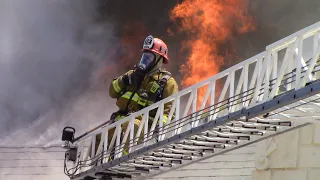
162	83
165	77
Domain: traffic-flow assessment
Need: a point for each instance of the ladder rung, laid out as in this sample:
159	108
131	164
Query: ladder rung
154	163
176	156
239	130
135	164
131	170
228	135
163	159
271	121
214	138
252	125
202	138
179	151
190	147
203	143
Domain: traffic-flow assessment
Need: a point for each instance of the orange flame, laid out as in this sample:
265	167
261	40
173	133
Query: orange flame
208	24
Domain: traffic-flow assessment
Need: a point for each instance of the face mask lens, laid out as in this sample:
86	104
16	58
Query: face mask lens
147	60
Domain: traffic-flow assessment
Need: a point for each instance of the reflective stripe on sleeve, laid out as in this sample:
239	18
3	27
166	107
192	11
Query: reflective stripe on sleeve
116	86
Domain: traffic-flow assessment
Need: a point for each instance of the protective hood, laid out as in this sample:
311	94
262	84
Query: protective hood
156	68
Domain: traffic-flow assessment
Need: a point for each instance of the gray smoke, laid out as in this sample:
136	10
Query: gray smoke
49	54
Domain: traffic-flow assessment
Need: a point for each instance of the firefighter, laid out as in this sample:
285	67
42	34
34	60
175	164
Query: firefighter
146	84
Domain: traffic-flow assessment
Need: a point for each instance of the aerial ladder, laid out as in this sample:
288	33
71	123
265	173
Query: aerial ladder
269	94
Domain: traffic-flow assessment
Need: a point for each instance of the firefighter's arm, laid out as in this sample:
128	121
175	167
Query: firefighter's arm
117	85
170	88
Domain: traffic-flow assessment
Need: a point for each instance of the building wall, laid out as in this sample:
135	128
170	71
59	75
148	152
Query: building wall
33	163
291	156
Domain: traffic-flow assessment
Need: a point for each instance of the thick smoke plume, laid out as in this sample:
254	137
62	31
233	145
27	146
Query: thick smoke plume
49	55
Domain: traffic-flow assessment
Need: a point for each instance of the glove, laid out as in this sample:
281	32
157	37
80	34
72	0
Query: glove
134	78
126	79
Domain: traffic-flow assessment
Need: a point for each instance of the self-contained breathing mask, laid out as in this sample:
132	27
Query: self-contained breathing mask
147	63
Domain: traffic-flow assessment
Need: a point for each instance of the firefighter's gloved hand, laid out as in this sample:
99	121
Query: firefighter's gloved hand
134	78
126	79
137	77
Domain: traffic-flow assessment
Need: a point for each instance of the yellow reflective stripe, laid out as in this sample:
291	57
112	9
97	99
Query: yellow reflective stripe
142	102
125	152
135	98
165	118
127	95
116	86
119	117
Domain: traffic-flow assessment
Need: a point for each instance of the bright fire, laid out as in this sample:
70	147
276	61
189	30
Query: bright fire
208	24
